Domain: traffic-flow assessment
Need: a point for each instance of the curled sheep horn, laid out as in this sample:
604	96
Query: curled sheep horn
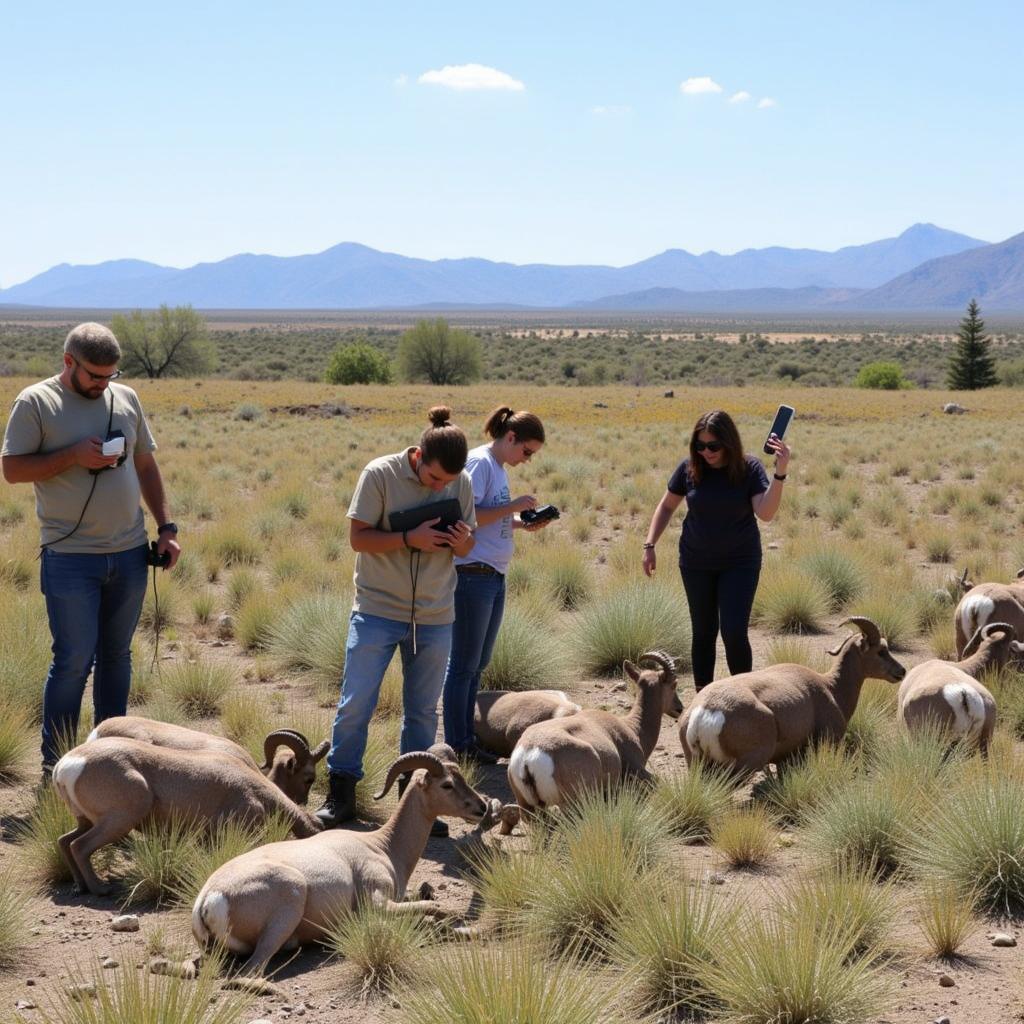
661	660
985	633
295	741
409	763
867	627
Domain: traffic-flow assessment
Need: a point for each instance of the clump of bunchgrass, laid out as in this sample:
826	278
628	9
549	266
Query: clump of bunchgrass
628	620
802	783
945	914
974	840
568	574
157	856
844	897
382	948
843	577
198	687
512	984
310	636
873	724
528	654
892	609
794	650
777	970
146	998
867	825
691	802
37	838
254	622
746	836
667	942
246	722
16	744
15	900
790	600
508	880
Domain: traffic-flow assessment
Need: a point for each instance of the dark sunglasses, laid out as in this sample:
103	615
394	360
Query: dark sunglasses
98	378
712	446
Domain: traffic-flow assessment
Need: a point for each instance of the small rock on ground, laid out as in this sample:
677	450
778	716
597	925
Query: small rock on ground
946	981
125	923
1003	939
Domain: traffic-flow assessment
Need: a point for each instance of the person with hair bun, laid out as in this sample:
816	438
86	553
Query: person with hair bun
480	592
404	599
726	492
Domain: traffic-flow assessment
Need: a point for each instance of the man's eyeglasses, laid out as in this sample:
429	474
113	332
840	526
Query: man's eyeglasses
711	446
98	378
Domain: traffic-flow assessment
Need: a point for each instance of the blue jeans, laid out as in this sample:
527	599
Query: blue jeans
368	652
93	603
479	607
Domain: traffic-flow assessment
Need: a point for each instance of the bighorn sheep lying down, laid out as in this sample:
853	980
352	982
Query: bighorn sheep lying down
747	721
988	602
555	760
113	785
288	761
502	716
948	693
283	894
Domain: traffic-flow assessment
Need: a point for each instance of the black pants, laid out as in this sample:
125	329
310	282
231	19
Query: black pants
720	599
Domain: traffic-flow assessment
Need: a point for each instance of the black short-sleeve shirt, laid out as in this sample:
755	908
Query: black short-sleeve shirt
719	531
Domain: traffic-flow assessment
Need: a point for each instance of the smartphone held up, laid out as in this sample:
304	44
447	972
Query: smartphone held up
779	425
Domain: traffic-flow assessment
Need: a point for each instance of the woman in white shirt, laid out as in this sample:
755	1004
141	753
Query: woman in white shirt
480	591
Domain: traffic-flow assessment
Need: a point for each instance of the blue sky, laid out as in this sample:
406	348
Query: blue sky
191	132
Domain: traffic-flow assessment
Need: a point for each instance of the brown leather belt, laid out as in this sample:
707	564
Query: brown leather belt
480	568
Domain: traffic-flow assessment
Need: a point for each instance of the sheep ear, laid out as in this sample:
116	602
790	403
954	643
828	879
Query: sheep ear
631	670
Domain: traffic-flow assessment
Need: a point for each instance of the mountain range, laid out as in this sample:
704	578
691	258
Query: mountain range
924	268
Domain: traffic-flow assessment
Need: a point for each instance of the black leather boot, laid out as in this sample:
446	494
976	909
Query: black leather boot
439	830
340	805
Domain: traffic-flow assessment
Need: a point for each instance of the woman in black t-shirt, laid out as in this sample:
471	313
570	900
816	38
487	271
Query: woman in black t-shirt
720	547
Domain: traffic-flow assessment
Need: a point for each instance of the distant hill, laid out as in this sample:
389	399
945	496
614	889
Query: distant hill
353	276
994	275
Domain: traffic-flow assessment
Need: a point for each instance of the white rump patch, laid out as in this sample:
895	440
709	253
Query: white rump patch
210	919
968	709
94	735
703	732
539	767
975	611
66	773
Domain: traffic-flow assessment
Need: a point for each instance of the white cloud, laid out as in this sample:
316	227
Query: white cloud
471	76
739	97
402	81
698	86
765	103
613	110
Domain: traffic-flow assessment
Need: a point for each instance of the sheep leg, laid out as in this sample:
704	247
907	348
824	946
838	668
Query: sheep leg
64	844
103	832
280	928
422	907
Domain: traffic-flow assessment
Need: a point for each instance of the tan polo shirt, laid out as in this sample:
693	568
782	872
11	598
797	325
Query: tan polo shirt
48	416
383	581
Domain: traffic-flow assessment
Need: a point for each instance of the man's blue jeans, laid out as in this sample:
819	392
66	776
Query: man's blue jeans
371	645
479	607
93	603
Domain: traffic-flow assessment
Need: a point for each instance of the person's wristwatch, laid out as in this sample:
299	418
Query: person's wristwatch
648	546
171	528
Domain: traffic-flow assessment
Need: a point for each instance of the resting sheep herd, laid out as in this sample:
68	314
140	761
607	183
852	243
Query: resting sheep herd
132	771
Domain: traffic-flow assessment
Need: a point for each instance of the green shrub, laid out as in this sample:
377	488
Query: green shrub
882	376
627	621
358	363
255	620
310	636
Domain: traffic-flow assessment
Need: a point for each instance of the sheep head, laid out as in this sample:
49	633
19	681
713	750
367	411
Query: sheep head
447	793
661	678
873	648
999	634
293	768
964	584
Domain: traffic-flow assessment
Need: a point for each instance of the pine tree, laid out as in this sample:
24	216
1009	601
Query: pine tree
971	365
